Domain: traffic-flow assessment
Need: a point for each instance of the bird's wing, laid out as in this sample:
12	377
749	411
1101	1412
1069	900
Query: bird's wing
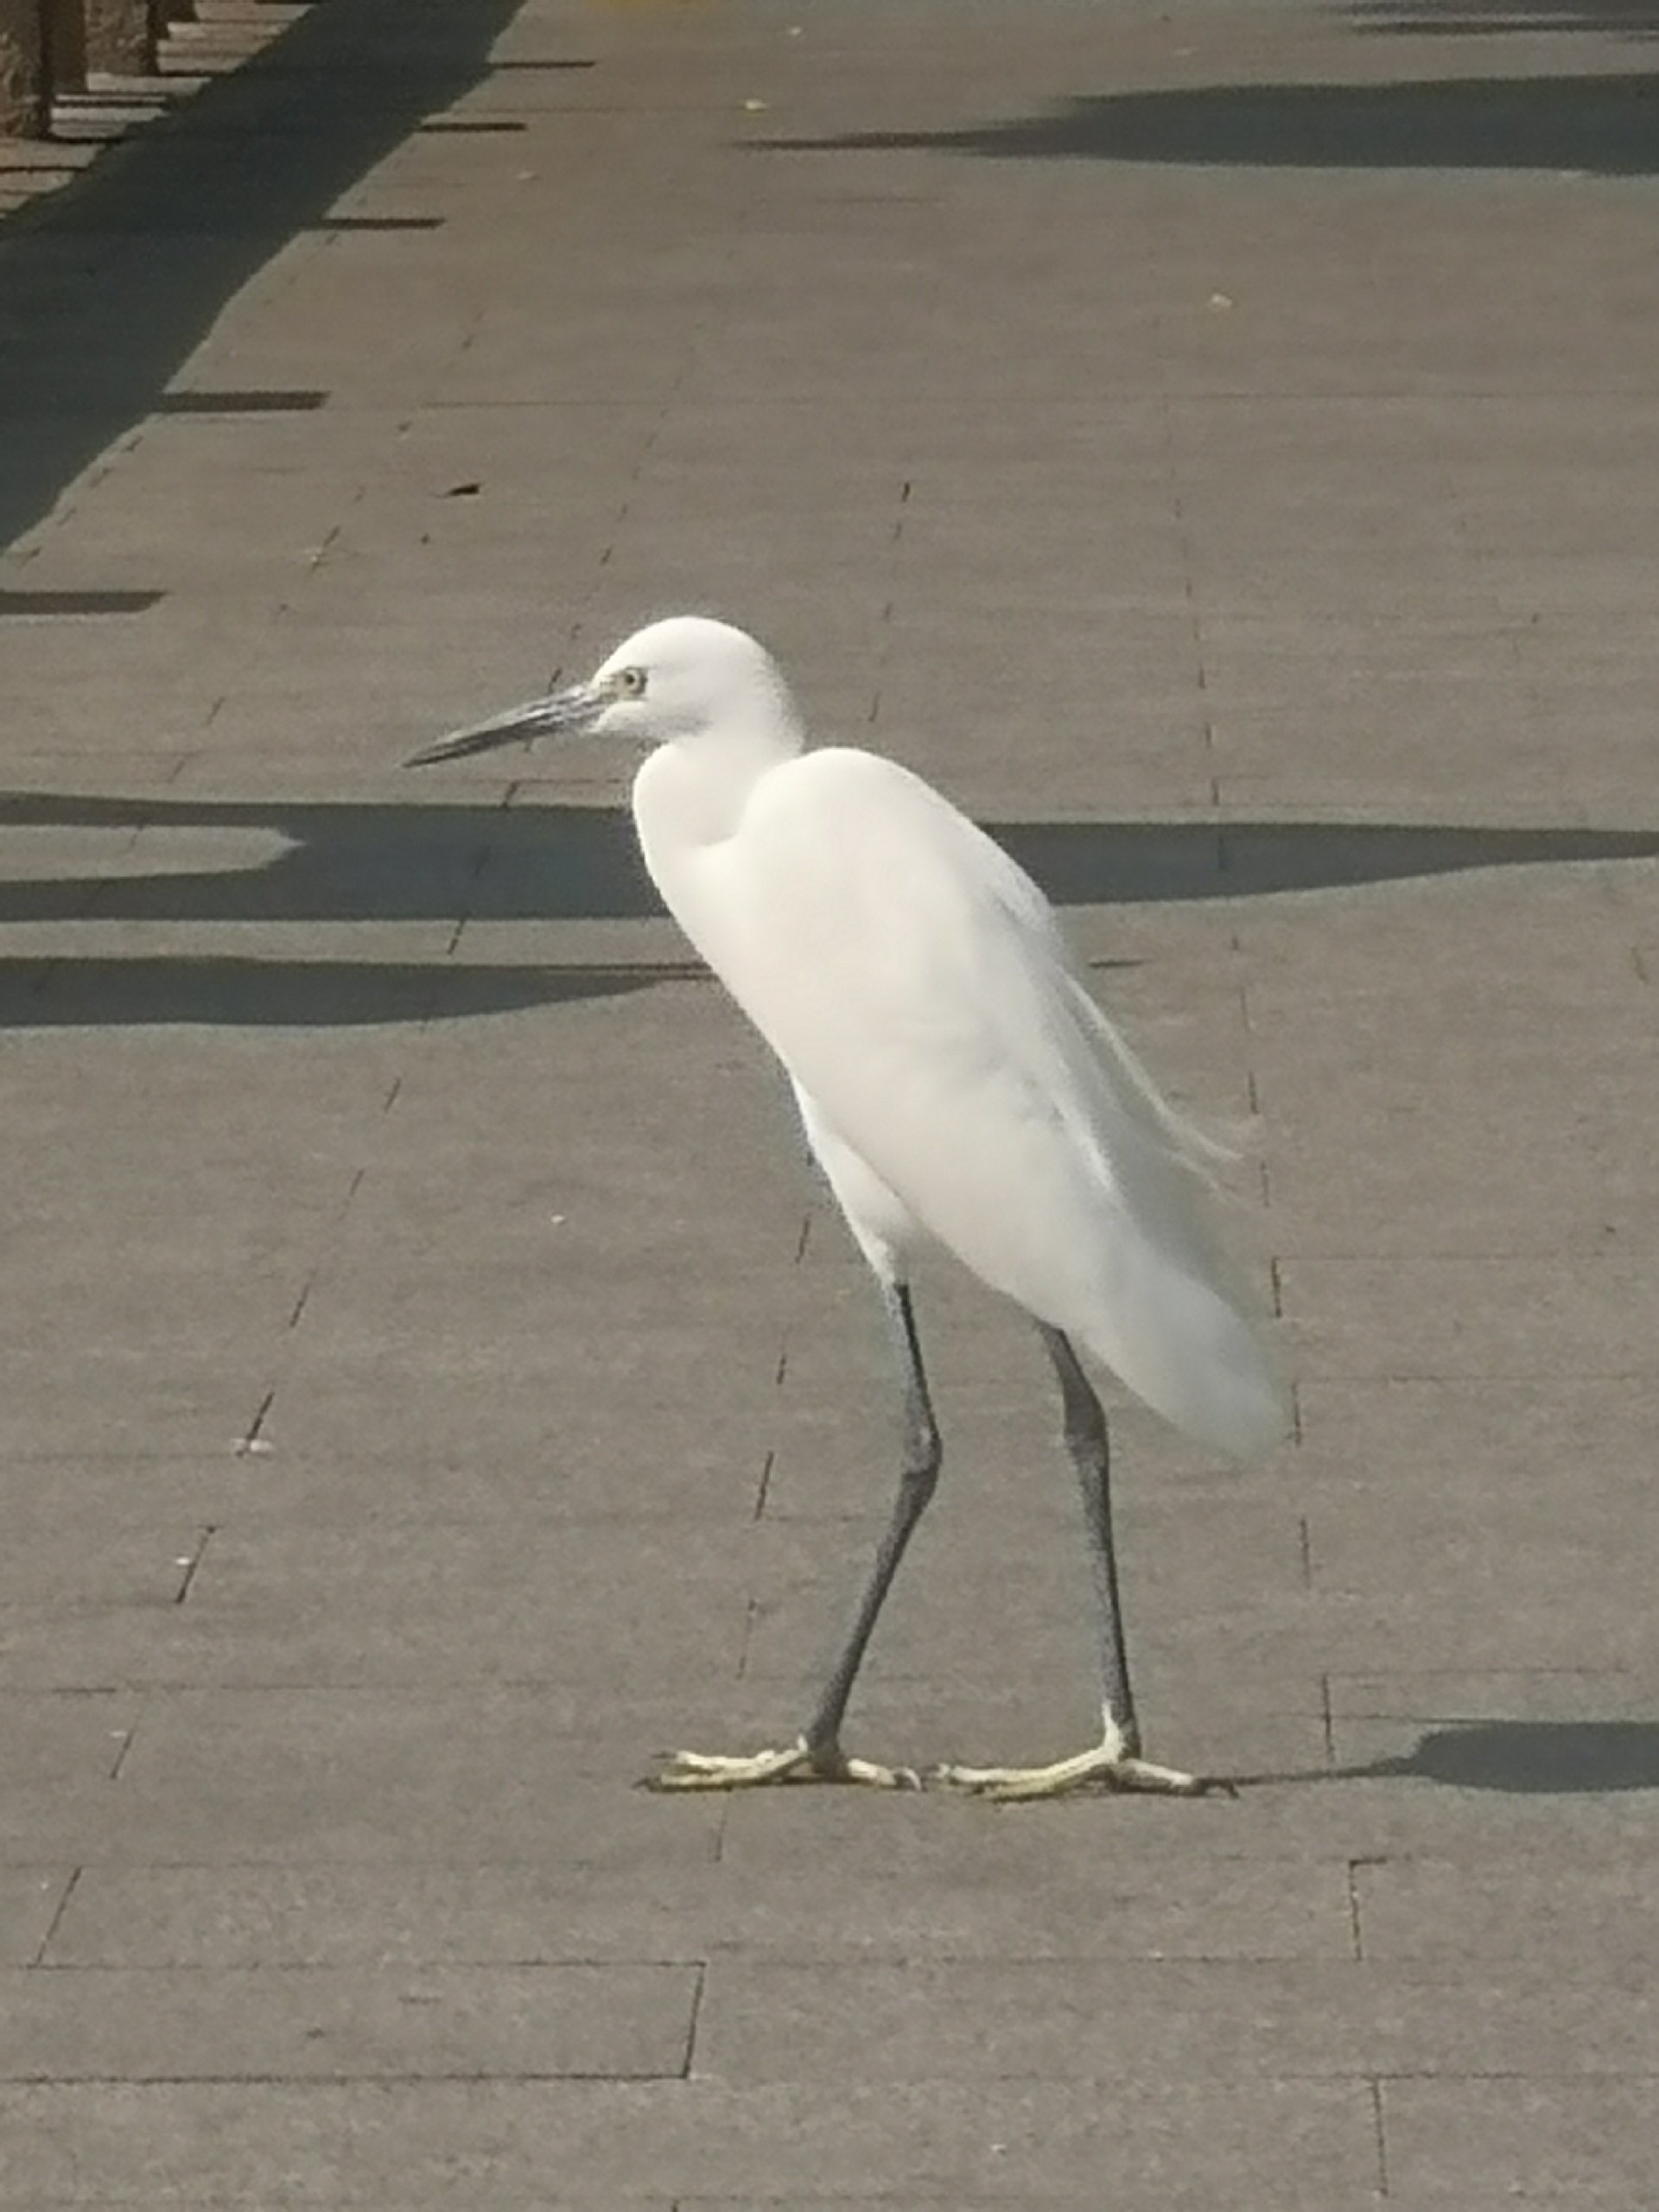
914	981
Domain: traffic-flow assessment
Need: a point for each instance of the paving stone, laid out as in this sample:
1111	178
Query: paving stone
1589	2142
1127	2021
1144	2197
1407	1316
1426	1908
627	2023
29	1900
429	2142
530	1604
134	1495
1219	458
973	1890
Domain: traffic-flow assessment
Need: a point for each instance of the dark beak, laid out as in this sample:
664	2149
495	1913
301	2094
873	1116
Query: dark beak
560	712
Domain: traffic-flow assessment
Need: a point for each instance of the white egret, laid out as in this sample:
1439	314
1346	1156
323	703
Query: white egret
958	1084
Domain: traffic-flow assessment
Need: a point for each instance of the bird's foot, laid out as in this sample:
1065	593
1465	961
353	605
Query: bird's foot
1106	1763
797	1762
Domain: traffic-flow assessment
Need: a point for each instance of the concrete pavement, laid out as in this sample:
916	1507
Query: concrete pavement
1214	441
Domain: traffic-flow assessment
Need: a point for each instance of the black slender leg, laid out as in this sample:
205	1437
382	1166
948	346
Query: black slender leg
919	1475
1115	1760
1087	1443
817	1756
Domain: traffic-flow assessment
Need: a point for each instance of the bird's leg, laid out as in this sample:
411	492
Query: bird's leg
1115	1760
919	1475
817	1756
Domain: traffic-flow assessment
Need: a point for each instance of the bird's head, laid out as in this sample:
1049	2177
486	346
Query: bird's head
671	681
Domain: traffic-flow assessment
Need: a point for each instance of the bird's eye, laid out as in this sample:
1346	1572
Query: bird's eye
630	683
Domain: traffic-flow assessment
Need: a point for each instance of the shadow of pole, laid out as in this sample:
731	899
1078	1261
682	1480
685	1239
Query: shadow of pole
249	992
107	286
385	861
362	862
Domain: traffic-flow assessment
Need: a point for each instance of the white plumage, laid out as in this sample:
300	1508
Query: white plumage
956	1081
914	982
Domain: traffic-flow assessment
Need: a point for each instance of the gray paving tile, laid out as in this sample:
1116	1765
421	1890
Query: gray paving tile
1421	1908
656	1471
1149	2197
1410	1317
967	1606
1144	2197
137	2143
1568	1441
565	1600
955	1890
617	2023
1313	516
359	1775
139	1564
1569	1562
1401	1790
1131	2021
30	1898
1586	2141
1544	1695
192	1407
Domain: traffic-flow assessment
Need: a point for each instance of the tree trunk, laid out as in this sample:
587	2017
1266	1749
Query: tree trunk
24	108
65	44
120	36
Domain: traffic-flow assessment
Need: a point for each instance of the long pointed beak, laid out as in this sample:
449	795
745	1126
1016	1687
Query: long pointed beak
556	715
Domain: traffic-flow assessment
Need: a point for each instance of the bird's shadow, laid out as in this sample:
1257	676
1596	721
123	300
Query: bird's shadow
319	861
1520	1758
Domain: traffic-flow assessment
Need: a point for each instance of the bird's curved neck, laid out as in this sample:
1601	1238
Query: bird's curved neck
692	792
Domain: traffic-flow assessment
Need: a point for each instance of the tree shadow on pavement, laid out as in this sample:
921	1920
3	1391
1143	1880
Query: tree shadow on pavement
1602	125
108	285
1523	1758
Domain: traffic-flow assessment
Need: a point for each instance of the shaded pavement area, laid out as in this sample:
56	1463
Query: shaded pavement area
1212	439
